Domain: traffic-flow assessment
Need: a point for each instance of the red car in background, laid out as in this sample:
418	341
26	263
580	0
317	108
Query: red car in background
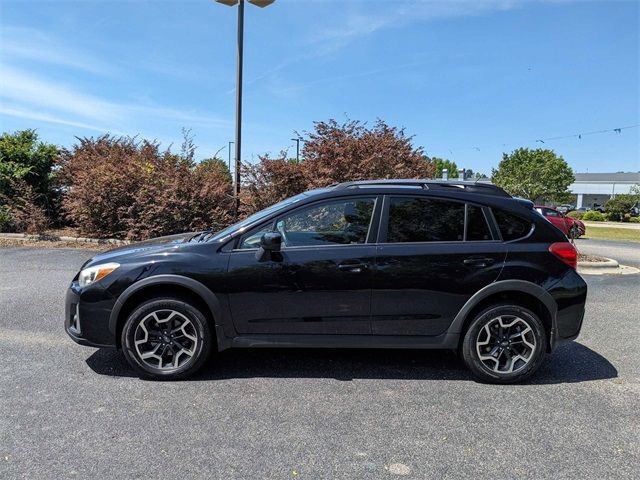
571	227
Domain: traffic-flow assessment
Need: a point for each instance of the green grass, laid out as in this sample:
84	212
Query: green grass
613	233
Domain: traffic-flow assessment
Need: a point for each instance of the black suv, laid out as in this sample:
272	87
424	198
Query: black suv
384	264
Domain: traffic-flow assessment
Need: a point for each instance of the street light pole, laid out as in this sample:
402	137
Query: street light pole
239	103
240	48
297	140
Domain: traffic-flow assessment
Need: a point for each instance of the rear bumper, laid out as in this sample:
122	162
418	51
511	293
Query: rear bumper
570	295
86	318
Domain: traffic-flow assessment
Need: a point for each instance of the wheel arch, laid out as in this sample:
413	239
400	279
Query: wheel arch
524	293
168	285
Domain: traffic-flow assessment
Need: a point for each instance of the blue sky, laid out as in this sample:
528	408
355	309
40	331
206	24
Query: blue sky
470	79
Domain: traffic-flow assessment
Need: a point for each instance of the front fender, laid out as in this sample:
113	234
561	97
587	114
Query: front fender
195	286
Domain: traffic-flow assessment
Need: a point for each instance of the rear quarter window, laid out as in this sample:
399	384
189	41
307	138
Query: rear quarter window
511	226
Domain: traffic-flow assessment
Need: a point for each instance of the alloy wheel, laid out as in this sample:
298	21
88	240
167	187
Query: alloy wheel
165	340
506	344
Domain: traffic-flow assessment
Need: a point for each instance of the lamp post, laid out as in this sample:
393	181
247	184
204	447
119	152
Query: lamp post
238	142
297	140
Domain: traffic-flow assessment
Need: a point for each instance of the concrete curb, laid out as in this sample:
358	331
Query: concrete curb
609	263
610	267
55	238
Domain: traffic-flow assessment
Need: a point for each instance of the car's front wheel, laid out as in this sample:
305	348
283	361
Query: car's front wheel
504	344
166	339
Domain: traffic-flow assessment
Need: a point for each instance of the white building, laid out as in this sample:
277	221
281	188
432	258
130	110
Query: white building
597	188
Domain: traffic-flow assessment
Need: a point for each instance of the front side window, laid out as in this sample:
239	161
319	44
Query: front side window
337	222
252	238
425	220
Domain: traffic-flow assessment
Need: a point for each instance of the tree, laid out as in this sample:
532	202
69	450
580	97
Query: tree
24	159
537	174
442	163
620	206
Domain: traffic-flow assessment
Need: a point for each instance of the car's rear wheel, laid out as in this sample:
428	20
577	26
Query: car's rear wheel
504	344
166	339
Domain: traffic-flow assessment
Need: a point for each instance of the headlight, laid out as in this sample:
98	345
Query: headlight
95	273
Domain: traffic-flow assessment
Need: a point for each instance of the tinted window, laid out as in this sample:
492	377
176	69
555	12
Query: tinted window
340	222
550	213
425	220
477	227
511	227
252	239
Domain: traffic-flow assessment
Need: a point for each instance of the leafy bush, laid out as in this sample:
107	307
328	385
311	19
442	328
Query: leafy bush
576	214
620	206
6	220
24	160
22	212
334	153
634	220
593	216
128	188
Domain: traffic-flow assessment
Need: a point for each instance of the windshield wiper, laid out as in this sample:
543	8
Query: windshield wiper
199	235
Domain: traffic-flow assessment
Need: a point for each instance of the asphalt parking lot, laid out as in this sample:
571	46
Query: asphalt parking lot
68	411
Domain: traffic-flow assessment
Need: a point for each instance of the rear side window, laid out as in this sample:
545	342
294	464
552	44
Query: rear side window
477	227
511	227
425	220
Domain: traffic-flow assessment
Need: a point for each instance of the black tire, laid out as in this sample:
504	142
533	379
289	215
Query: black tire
574	233
477	334
192	319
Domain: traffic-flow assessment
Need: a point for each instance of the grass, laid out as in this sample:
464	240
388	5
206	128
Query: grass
613	233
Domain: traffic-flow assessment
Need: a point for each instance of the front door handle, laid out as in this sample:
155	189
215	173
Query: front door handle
355	267
478	262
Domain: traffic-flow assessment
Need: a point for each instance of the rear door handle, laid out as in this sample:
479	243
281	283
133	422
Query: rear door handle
355	267
478	262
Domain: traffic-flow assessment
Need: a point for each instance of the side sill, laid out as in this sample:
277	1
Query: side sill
445	341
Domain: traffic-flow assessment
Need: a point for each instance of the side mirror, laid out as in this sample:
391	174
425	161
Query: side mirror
270	244
271	241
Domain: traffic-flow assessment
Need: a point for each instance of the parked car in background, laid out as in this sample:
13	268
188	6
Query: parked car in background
368	264
583	209
571	227
598	207
565	208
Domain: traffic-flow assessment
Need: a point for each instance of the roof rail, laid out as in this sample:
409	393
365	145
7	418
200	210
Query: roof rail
471	187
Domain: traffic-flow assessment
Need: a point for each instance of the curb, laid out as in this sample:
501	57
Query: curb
610	263
54	238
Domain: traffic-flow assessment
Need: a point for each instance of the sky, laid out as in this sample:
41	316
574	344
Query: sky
468	80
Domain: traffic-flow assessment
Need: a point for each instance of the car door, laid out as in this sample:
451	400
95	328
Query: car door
556	218
319	283
433	255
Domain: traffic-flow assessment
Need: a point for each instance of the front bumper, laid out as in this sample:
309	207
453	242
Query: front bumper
86	318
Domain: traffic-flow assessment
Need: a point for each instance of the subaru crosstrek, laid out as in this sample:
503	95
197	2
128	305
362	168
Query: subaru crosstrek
374	264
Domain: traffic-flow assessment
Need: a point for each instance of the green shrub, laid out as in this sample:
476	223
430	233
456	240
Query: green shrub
575	214
24	160
6	220
593	216
634	220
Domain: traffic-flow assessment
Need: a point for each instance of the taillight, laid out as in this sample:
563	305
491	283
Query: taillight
566	252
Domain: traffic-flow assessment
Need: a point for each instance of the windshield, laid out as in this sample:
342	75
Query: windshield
256	217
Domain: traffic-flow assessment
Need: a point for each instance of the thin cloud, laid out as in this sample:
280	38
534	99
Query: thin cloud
35	94
44	117
361	23
19	44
